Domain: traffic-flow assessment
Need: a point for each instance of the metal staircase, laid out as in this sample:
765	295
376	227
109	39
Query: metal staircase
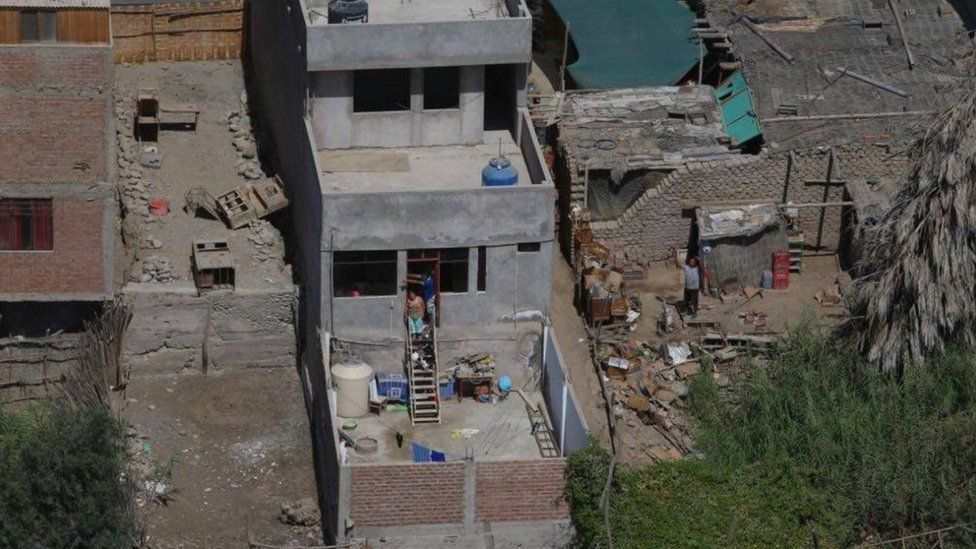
421	365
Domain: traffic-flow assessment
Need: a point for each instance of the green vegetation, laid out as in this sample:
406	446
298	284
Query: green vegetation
62	479
820	444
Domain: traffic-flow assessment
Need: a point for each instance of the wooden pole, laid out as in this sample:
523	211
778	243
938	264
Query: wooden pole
853	116
769	41
901	33
873	82
701	59
562	66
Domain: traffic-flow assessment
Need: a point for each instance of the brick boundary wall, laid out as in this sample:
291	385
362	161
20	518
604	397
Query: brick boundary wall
520	490
55	106
410	493
456	492
182	31
661	217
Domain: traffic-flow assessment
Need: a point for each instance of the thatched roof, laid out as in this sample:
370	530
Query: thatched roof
921	290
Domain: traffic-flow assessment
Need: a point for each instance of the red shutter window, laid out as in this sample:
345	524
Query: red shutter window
26	224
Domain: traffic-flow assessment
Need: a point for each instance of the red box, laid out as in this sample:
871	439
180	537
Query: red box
781	281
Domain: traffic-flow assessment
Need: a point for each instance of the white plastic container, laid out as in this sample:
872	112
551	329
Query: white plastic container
352	383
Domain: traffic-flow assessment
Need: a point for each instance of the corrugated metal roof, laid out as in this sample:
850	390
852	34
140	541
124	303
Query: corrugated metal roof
55	4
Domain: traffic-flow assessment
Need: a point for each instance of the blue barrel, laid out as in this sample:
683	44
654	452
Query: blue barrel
767	280
499	173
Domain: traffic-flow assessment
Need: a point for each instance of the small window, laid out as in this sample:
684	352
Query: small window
529	247
454	270
38	26
482	268
442	88
26	224
381	90
364	273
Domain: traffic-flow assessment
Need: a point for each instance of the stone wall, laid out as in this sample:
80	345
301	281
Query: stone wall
663	216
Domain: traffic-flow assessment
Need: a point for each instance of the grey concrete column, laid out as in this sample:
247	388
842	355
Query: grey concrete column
472	271
417	106
332	109
472	104
470	495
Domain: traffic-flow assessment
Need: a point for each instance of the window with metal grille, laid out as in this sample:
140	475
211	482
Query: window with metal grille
38	26
26	224
364	273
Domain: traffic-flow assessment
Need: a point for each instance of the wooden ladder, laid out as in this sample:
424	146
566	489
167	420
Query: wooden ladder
425	402
548	447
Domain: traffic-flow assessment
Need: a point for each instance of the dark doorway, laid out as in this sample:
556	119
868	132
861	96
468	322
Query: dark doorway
500	97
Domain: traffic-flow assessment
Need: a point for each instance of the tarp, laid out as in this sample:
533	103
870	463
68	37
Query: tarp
629	43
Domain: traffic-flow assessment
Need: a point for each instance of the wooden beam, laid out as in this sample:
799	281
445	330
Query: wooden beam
827	182
873	82
852	116
769	41
901	34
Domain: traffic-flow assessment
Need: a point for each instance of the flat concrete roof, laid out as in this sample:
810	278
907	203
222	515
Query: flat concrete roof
425	11
412	169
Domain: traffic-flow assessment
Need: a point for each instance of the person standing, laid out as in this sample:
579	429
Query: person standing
429	291
415	314
692	271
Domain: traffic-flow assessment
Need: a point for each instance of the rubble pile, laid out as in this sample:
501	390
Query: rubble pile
239	124
157	269
134	186
266	239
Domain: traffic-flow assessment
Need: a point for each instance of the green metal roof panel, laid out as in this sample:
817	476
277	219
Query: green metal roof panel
738	109
629	43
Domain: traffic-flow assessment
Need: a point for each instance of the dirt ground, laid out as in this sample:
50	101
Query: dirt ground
205	157
783	310
240	447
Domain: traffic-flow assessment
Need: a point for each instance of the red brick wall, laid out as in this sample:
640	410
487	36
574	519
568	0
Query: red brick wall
54	103
520	490
415	493
75	264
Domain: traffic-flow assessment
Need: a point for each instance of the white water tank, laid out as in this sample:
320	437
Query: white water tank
351	380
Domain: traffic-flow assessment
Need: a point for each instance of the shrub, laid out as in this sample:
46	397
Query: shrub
62	479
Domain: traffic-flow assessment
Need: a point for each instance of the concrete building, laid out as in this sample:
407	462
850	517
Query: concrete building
380	132
57	194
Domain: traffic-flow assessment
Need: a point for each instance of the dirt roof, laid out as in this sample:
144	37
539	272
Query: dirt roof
837	45
662	127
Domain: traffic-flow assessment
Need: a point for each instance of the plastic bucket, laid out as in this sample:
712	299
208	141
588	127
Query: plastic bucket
159	206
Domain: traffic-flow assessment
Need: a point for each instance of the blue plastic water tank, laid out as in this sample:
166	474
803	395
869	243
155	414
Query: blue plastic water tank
505	384
499	173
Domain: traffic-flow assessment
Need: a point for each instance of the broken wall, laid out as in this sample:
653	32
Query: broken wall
170	330
177	31
662	217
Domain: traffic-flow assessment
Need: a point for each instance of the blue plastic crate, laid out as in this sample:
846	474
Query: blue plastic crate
393	386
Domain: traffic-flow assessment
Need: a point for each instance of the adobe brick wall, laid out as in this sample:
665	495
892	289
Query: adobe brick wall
55	110
662	217
185	31
409	493
75	264
520	490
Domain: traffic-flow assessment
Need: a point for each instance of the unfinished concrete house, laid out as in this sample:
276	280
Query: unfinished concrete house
57	195
424	220
823	96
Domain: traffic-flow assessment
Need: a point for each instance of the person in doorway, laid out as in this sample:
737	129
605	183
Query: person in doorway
429	290
415	313
693	278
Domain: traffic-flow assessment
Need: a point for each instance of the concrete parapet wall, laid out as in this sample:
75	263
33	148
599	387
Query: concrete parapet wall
246	329
429	44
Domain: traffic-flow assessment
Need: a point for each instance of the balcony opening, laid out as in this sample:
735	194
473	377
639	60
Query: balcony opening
381	90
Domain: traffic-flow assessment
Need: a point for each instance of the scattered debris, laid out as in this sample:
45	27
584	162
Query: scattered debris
303	512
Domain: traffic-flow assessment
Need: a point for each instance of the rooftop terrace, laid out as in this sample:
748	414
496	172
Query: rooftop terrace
417	168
